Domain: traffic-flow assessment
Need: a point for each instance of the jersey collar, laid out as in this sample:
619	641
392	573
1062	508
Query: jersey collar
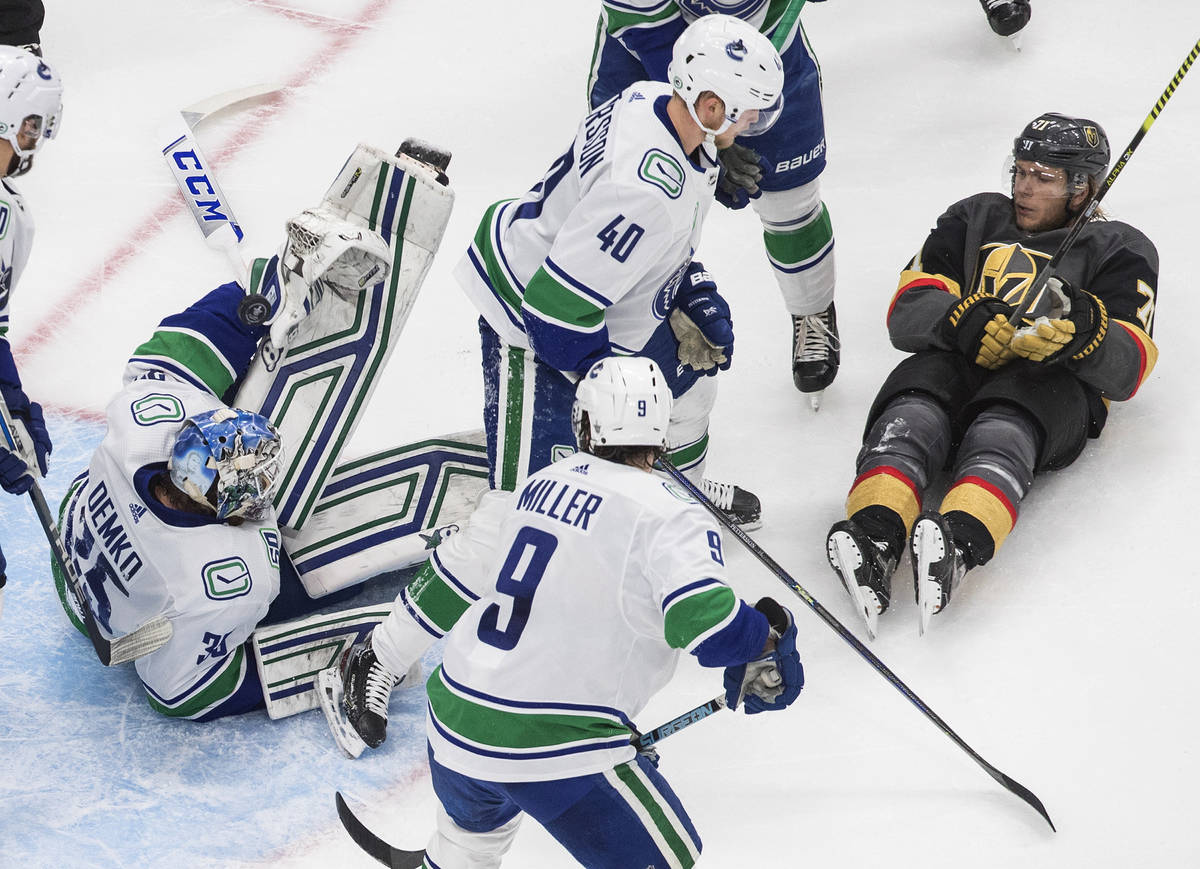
707	150
168	515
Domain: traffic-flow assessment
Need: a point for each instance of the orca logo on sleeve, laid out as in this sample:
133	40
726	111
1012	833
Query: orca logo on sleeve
226	578
663	171
155	408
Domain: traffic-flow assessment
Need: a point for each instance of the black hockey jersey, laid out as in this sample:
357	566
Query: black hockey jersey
977	245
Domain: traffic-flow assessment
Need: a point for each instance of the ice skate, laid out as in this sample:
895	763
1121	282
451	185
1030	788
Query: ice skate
354	696
938	565
1007	17
741	506
865	568
816	352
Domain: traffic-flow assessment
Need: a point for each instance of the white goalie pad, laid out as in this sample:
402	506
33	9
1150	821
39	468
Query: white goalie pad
388	510
316	391
289	655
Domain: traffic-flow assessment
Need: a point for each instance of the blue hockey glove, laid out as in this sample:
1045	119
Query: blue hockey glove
708	315
773	680
15	477
741	171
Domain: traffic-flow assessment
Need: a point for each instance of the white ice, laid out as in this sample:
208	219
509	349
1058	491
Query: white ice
1068	662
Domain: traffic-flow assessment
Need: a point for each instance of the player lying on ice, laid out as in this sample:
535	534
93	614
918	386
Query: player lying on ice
996	402
175	516
566	606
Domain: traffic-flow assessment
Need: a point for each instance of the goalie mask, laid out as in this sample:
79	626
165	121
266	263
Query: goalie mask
730	58
627	402
228	459
30	104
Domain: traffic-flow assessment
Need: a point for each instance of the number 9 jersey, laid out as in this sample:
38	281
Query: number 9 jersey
570	600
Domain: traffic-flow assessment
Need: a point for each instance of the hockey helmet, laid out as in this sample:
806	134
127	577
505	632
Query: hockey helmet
732	59
1075	144
228	459
627	402
30	100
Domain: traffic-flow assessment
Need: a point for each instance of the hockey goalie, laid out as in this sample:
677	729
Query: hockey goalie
218	499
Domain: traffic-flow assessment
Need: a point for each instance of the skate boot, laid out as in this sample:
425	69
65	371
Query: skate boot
865	567
742	507
1006	17
938	564
816	352
354	696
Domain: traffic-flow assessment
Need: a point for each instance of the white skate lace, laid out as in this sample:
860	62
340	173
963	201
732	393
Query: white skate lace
721	494
813	337
379	684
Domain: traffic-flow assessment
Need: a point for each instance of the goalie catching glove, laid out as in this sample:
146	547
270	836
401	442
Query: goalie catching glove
1075	329
702	324
323	251
773	680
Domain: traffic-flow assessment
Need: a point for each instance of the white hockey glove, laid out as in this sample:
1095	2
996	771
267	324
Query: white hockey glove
323	251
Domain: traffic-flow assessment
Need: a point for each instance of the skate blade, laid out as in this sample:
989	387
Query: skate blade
814	400
843	552
929	591
329	695
1015	41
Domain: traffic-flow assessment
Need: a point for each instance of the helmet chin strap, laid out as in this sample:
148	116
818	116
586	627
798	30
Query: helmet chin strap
709	133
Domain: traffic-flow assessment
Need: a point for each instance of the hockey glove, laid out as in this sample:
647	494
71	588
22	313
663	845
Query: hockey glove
1074	334
966	328
773	680
324	251
740	173
702	323
16	476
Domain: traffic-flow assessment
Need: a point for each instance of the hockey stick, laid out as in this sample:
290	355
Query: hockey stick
652	737
205	199
397	858
1008	783
1089	210
388	855
148	637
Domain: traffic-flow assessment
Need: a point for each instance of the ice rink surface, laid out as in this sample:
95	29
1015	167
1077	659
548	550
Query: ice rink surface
1068	662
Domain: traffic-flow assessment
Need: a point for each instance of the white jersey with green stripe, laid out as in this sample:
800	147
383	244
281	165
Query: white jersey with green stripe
139	559
16	240
571	600
592	255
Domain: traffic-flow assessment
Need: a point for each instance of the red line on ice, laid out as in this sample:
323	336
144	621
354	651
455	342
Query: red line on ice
115	262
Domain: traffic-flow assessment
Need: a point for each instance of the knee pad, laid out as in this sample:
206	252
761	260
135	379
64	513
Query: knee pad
1000	447
912	434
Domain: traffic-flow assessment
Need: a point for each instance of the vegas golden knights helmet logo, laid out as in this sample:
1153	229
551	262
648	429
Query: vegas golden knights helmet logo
1092	135
1008	271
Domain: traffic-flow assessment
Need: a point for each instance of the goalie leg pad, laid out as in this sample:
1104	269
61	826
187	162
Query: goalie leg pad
316	392
291	654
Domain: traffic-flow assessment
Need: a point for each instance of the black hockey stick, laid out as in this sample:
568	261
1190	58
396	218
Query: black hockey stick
1089	210
652	737
1008	783
397	858
148	637
388	855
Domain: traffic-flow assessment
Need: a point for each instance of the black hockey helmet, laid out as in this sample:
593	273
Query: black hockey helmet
1075	144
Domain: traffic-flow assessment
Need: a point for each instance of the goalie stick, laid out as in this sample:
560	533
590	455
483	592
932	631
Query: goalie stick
148	637
1010	784
1089	210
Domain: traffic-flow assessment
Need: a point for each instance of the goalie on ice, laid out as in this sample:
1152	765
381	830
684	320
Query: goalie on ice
183	511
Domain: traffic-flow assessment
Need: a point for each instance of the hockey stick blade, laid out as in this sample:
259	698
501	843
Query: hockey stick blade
386	854
881	668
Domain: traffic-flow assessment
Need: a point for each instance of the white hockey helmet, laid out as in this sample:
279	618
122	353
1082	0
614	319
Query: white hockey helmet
30	99
729	57
627	401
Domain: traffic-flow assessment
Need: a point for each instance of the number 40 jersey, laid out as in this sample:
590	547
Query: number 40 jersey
589	260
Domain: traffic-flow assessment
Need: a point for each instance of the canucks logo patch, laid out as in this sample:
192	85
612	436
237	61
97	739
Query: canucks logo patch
227	578
561	451
157	407
663	171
